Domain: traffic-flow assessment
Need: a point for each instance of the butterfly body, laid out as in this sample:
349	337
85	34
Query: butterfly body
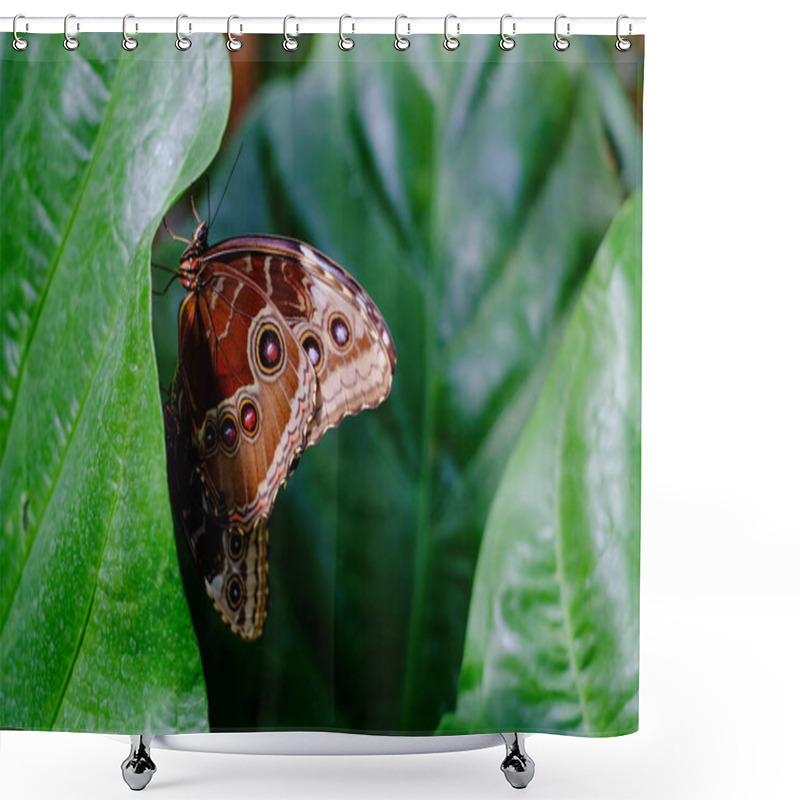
277	344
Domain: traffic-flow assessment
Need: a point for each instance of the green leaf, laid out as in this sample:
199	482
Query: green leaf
95	632
468	193
553	636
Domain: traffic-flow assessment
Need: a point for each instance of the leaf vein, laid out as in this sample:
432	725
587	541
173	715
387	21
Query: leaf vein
34	324
79	643
51	270
569	634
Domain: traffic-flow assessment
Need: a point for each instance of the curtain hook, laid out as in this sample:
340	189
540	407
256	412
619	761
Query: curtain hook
345	42
70	42
623	44
18	43
128	42
561	43
451	42
181	42
233	44
400	42
506	42
289	42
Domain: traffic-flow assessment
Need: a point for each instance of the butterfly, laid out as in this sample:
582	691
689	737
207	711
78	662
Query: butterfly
277	344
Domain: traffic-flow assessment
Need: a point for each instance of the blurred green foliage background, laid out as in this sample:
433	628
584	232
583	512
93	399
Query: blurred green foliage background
468	192
464	558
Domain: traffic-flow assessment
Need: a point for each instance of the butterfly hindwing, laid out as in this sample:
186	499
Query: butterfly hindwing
231	560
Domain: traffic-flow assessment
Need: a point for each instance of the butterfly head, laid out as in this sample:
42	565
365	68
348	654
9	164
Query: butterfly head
191	255
199	243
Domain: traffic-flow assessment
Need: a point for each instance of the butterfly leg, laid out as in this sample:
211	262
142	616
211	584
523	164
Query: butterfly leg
517	766
175	236
138	768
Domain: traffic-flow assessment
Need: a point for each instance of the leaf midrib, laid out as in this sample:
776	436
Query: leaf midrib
90	606
51	270
55	482
425	522
31	334
423	512
558	545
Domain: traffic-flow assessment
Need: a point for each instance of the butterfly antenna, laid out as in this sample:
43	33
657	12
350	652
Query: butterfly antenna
208	197
227	184
194	210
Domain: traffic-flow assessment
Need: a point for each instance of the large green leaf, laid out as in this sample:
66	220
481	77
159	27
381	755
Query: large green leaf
95	632
553	636
468	193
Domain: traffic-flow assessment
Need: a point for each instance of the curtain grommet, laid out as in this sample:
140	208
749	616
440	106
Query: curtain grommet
289	42
233	44
401	42
182	42
19	44
128	42
560	43
451	42
507	42
70	42
623	44
345	42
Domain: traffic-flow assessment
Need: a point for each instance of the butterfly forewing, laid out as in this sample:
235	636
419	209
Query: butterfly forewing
250	388
335	321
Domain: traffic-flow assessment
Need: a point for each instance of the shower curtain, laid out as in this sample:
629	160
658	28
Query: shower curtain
321	377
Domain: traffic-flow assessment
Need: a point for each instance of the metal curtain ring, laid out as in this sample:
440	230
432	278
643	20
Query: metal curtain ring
506	42
451	42
400	42
345	42
18	43
70	42
181	42
623	44
233	44
128	42
289	43
560	43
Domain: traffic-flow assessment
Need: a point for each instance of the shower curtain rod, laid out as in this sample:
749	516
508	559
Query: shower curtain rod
295	25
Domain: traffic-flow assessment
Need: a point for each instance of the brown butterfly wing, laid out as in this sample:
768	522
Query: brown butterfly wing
338	325
244	394
277	345
226	558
